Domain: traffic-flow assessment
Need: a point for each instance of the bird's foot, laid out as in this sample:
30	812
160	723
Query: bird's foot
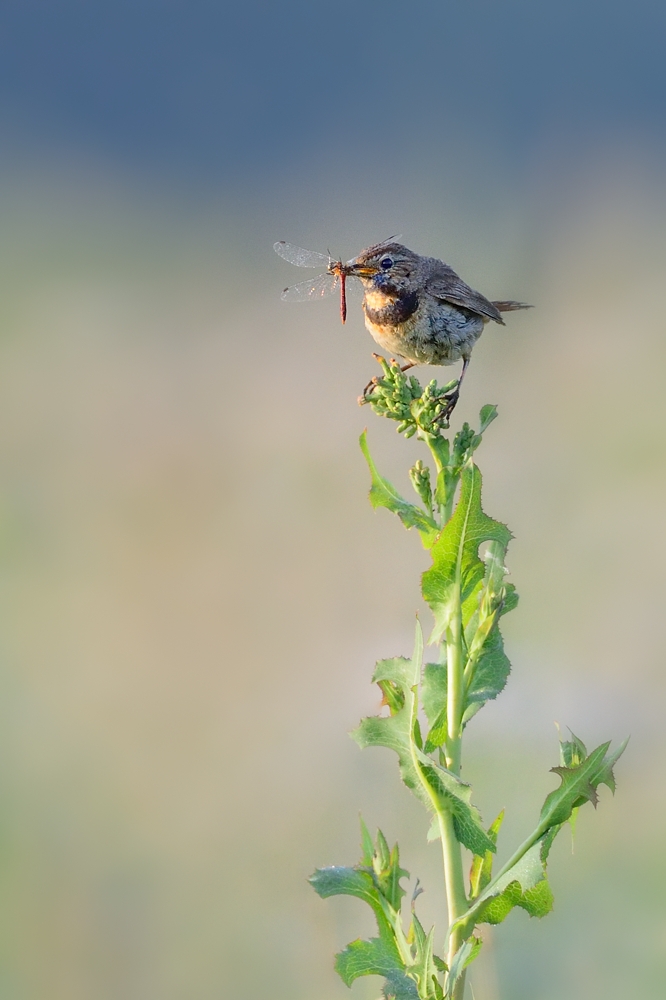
451	400
372	384
369	389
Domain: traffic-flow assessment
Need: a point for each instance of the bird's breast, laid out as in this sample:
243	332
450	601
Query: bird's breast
384	310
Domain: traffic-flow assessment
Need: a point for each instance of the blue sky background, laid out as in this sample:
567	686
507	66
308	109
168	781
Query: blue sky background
210	91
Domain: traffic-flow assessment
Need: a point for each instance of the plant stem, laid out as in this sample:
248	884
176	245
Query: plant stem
455	691
439	448
454	880
451	848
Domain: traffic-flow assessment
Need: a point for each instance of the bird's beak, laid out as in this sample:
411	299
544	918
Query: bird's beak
363	270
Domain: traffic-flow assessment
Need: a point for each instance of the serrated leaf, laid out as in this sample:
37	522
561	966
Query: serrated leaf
398	986
457	570
423	968
456	796
341	881
384	494
490	674
434	688
521	883
579	784
437	788
367	958
525	885
538	901
376	881
389	879
467	952
606	776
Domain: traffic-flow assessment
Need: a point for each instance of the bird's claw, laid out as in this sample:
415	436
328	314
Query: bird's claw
370	387
451	401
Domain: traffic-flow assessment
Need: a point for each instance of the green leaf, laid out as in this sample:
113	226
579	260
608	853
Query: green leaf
338	881
457	571
524	885
486	416
482	865
490	674
579	784
486	666
367	845
423	969
433	690
376	881
606	776
383	494
572	752
367	958
437	788
399	986
392	696
466	954
342	881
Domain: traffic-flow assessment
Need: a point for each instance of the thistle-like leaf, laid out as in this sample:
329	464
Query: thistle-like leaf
580	783
466	954
376	880
367	958
524	883
383	494
456	575
437	788
399	986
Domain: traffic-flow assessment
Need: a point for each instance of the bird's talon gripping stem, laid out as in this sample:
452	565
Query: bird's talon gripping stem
363	398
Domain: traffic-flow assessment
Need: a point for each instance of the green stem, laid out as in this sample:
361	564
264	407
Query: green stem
455	690
454	880
439	448
452	850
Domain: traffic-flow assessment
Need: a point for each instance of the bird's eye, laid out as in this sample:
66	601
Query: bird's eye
386	262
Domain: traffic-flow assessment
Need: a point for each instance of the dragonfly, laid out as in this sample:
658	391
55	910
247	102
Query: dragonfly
320	285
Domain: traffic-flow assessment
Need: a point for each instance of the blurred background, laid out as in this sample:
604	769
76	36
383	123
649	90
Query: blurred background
194	588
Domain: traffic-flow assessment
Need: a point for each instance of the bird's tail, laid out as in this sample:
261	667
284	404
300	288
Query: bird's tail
511	306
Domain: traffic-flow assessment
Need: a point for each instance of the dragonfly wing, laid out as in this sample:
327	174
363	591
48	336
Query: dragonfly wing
353	287
314	288
299	256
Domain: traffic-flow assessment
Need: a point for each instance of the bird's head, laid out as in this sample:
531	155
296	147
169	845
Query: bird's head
387	267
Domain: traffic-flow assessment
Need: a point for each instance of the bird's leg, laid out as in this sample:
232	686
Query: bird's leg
453	397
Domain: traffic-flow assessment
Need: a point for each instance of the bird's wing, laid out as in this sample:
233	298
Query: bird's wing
445	284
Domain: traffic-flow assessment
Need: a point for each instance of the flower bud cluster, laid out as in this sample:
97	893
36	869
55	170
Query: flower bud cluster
419	475
401	397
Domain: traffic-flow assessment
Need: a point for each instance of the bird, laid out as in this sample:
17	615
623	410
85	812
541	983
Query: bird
419	309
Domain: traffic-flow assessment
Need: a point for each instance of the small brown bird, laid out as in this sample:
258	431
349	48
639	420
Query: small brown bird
418	308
